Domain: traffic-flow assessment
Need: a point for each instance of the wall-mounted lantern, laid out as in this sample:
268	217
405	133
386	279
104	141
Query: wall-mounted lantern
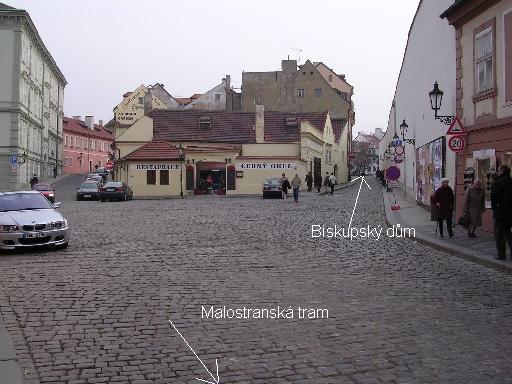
436	100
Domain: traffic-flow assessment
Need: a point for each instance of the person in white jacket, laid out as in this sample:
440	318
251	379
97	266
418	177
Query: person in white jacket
332	182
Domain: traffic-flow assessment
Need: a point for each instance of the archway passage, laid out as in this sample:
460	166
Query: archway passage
210	178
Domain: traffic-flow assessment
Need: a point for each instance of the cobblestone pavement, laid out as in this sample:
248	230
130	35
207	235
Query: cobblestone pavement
399	312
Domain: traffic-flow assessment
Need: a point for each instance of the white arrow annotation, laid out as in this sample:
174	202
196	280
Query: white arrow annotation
215	380
357	198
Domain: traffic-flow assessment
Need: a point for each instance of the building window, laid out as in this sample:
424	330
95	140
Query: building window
141	100
81	162
66	140
217	97
318	92
508	55
70	161
330	78
66	162
151	177
484	51
164	177
300	92
90	143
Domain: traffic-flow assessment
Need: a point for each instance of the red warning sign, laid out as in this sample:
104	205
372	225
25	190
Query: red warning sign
456	128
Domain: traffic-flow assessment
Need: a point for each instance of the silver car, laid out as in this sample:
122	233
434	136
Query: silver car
28	219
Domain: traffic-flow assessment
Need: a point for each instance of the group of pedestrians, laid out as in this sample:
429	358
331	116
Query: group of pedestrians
329	182
443	200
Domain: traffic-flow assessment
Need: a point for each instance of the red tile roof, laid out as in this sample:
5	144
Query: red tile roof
155	150
229	127
80	128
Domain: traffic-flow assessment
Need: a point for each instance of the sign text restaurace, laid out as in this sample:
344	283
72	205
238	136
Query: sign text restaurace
150	167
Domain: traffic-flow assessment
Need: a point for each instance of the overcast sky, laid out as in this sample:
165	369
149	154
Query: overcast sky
108	47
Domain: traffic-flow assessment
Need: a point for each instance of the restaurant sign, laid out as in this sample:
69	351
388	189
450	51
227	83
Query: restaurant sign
265	166
155	167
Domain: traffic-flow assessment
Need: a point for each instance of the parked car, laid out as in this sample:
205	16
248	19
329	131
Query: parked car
272	187
89	190
28	219
46	190
102	171
115	190
95	177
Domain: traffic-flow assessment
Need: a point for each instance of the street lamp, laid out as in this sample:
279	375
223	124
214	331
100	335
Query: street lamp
23	158
436	99
182	158
403	130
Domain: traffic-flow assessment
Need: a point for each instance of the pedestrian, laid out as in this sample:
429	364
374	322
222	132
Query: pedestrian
326	181
443	201
332	182
54	172
501	202
33	181
296	186
318	182
285	185
309	181
474	206
209	184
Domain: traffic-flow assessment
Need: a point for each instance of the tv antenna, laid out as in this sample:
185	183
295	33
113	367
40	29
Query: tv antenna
298	50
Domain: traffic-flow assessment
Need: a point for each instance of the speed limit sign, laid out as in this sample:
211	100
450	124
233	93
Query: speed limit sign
456	143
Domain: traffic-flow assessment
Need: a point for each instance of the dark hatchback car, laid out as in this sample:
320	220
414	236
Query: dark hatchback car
115	190
272	187
46	190
102	171
89	190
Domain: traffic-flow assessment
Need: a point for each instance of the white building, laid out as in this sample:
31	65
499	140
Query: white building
429	56
31	102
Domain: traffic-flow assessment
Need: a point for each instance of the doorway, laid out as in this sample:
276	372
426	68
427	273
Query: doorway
210	178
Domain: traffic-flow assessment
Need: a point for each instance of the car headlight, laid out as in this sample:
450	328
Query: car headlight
9	228
65	224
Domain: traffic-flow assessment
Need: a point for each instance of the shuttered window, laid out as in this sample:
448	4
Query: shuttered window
164	177
151	177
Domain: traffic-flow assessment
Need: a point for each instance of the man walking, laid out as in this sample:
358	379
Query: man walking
33	181
501	202
318	182
309	181
332	182
326	181
296	186
285	185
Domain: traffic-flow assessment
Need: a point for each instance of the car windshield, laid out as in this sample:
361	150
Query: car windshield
22	201
273	181
113	184
43	187
89	186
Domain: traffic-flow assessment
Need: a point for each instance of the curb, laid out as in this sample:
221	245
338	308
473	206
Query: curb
453	250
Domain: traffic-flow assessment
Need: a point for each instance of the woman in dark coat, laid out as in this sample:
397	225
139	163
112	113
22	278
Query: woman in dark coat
443	201
474	206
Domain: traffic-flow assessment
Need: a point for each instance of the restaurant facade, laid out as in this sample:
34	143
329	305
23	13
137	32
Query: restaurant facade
168	152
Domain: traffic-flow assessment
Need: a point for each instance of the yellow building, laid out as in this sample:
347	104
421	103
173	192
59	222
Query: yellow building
237	150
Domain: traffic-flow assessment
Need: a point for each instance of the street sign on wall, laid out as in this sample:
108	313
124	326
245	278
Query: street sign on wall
399	158
456	128
456	143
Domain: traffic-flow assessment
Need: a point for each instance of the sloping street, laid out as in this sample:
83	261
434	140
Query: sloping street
398	311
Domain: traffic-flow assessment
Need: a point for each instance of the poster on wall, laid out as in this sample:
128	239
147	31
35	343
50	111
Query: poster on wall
430	169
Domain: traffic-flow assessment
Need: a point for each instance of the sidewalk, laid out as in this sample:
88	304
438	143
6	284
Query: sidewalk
10	370
60	177
480	250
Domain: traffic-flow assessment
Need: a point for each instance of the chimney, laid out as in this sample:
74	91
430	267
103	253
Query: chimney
100	123
77	117
260	123
289	66
228	81
89	121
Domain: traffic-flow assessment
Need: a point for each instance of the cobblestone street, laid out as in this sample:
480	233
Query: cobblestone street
399	312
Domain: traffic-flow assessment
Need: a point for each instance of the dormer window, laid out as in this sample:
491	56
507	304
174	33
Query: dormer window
291	122
205	122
